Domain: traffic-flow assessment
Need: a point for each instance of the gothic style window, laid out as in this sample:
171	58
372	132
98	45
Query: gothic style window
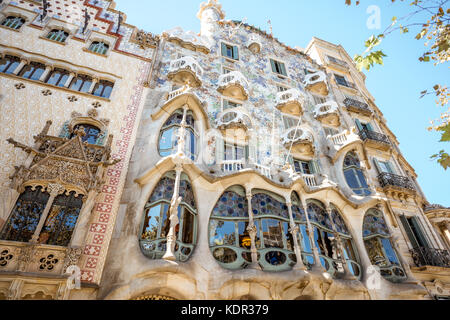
354	175
58	35
81	83
168	137
326	242
33	71
99	47
92	133
156	224
380	249
229	239
8	64
25	215
13	22
61	220
58	77
103	89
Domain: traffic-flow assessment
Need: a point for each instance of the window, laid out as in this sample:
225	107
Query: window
58	35
227	104
341	80
33	71
227	70
377	240
58	77
168	137
384	166
58	226
92	133
319	100
278	67
290	122
354	175
13	22
414	231
281	88
156	220
304	167
103	89
234	152
230	51
99	47
9	64
81	83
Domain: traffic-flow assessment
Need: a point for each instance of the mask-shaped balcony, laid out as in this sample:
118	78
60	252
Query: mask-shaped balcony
233	85
317	82
186	70
254	44
291	102
357	106
328	113
375	140
233	119
301	141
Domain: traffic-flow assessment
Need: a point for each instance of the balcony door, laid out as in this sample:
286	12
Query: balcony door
415	232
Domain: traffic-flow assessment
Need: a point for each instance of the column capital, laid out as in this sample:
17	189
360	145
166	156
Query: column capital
55	189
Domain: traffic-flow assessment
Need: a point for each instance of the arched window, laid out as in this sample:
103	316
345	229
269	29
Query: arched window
229	239
33	71
27	213
354	175
168	137
92	133
377	240
58	35
156	224
274	242
58	77
13	22
81	83
99	47
8	64
103	89
325	239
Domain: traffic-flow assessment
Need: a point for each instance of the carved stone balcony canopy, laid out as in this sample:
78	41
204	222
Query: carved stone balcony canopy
254	44
234	85
186	70
357	106
301	141
71	163
375	140
233	118
291	102
431	257
328	113
393	181
317	82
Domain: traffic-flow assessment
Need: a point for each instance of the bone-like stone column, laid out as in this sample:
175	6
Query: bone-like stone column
252	230
294	230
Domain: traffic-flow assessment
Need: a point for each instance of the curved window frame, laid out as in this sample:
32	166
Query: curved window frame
155	248
357	174
380	238
57	35
99	47
13	22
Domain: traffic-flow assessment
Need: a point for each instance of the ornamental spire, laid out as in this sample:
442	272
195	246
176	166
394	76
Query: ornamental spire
209	14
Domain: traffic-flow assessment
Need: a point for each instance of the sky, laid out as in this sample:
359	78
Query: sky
396	86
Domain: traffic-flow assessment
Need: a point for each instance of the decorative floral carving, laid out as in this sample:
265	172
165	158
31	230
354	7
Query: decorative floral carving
19	86
96	104
48	263
72	258
5	257
46	92
72	98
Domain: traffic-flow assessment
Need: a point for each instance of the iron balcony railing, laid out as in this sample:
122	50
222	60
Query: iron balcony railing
431	257
389	179
352	103
372	135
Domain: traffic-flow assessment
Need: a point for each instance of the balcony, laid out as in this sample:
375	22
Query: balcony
328	113
254	44
375	140
185	70
317	83
233	85
389	180
357	106
290	102
232	166
233	119
300	140
430	257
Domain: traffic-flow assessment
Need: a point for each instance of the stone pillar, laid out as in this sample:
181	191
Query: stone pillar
69	80
54	190
22	64
294	230
173	217
45	74
92	87
252	230
81	228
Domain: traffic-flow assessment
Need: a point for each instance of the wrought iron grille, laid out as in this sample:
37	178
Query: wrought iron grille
352	103
431	257
372	135
389	179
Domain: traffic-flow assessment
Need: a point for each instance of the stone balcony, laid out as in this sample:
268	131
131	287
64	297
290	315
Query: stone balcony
186	71
328	113
300	140
317	83
356	106
375	140
233	119
234	85
234	166
290	102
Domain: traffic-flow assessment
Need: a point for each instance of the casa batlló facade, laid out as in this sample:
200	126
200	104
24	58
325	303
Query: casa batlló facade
219	165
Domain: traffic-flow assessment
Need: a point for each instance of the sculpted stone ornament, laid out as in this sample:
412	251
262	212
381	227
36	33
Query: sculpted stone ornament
72	257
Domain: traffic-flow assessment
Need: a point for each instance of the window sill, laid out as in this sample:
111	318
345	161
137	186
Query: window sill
11	29
95	53
230	59
53	41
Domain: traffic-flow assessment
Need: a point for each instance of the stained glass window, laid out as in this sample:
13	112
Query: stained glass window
355	176
92	133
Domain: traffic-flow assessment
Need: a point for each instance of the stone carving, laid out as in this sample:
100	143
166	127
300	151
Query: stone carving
72	257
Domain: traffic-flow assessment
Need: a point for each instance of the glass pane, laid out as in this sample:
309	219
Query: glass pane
63	80
244	237
165	224
54	78
272	233
151	223
166	141
12	67
107	91
375	252
188	227
222	233
362	179
389	251
76	84
289	238
351	179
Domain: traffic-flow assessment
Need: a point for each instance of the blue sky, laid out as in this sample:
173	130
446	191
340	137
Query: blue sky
396	86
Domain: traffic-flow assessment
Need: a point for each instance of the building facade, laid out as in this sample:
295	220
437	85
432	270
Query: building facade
218	165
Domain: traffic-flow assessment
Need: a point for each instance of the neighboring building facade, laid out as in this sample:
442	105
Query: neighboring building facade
219	165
